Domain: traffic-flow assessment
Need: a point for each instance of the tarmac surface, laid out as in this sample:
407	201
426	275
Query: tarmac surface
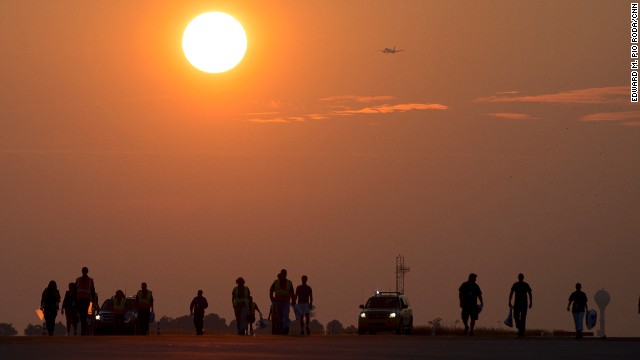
315	347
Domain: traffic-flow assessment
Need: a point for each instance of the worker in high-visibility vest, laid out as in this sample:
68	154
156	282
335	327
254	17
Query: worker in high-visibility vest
144	304
119	309
282	296
86	295
240	300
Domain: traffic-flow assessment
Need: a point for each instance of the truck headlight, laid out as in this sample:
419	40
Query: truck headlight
98	317
363	315
392	315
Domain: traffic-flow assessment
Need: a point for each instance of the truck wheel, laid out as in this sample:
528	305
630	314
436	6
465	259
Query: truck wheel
409	330
400	329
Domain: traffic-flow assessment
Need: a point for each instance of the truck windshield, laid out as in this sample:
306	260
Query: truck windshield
383	303
107	305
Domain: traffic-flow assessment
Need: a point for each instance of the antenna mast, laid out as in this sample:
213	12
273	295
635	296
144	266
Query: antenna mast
400	271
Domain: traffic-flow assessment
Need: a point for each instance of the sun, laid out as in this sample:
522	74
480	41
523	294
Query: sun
214	42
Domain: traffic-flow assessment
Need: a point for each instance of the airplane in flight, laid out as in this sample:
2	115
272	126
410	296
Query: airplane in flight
390	51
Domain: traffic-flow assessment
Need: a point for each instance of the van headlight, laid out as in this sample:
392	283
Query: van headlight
392	315
363	315
98	317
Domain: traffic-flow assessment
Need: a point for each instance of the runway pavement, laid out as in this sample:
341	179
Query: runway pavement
315	347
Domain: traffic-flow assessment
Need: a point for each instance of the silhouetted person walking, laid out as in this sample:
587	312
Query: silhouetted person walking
304	297
240	300
70	309
579	300
283	297
119	310
469	294
144	304
198	304
86	294
49	304
272	317
521	289
251	314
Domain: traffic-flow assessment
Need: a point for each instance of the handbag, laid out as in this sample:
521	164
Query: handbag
509	320
261	323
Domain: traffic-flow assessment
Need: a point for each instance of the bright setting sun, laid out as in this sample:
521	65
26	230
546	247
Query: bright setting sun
214	42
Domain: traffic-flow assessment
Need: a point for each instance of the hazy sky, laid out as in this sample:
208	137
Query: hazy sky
502	140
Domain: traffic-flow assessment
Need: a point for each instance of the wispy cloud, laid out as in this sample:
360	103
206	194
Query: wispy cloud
348	105
602	95
264	113
317	116
385	109
357	98
512	116
613	116
276	120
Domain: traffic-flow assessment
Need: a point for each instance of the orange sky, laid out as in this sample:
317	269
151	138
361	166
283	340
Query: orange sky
500	141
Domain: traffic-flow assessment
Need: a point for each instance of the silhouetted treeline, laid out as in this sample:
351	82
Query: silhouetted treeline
213	324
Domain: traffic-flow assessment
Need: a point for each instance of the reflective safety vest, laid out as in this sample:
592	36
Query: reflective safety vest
84	286
280	292
119	305
144	301
237	299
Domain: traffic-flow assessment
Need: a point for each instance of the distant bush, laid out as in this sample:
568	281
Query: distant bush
350	330
33	330
7	330
37	330
334	327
